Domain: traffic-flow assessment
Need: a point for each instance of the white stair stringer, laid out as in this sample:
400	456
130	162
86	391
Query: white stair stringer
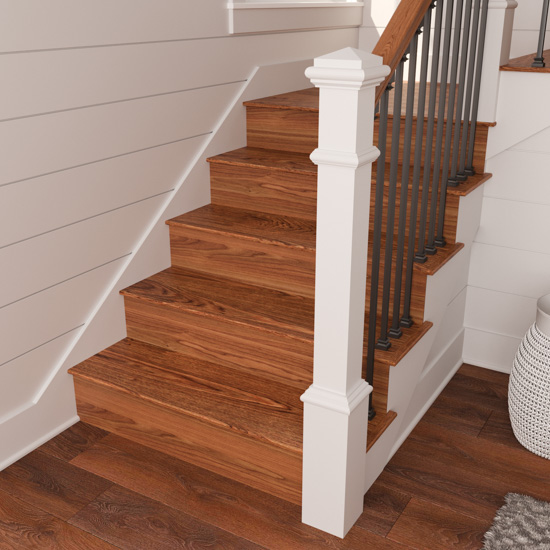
417	380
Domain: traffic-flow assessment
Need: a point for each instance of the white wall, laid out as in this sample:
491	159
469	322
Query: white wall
510	266
105	107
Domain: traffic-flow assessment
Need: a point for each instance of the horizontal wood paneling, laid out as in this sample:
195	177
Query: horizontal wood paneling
21	379
35	146
490	350
75	78
519	176
91	189
57	255
499	312
36	320
510	270
512	224
70	24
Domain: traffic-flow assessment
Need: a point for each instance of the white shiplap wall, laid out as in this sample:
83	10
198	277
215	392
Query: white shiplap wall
105	109
510	265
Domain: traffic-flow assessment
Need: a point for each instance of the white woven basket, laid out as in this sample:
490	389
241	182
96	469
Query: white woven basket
529	388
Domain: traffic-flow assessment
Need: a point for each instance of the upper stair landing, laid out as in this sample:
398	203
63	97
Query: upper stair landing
524	64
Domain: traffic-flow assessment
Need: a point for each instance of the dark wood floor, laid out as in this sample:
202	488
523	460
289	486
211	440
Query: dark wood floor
88	489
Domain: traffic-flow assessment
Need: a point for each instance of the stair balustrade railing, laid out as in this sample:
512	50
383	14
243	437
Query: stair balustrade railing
439	106
412	106
539	58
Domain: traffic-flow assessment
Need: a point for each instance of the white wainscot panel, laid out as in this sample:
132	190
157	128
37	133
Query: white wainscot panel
519	176
70	79
91	189
539	142
511	224
35	146
34	321
525	41
488	350
36	25
510	270
46	260
498	312
21	379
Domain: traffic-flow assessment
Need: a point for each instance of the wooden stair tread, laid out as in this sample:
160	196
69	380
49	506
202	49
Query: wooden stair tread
285	161
523	64
401	346
300	100
268	412
258	226
240	303
378	425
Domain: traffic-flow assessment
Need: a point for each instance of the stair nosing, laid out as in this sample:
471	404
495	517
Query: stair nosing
206	419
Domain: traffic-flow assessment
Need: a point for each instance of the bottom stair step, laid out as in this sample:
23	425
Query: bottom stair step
230	422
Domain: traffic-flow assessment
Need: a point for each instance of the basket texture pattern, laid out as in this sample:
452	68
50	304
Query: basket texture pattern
529	393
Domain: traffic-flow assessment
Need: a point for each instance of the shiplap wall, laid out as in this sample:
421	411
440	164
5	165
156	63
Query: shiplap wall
510	266
105	107
527	19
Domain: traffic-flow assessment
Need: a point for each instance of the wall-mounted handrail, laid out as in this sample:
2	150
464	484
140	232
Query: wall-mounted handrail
539	59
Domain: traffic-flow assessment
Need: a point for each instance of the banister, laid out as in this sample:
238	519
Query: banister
397	36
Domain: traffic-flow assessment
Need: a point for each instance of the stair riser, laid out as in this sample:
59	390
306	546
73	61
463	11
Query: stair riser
264	190
270	354
297	131
265	264
256	464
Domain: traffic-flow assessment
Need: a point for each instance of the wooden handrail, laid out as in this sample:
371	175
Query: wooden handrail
395	40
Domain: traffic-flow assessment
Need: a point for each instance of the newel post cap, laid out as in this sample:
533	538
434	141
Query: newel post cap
347	67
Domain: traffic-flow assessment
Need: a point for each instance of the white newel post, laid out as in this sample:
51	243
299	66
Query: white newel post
498	39
336	404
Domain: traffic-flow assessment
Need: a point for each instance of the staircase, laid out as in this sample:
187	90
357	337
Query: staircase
220	345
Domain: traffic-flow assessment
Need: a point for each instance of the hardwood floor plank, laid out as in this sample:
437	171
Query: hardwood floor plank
264	519
24	527
426	526
499	430
454	414
134	522
73	441
51	484
382	508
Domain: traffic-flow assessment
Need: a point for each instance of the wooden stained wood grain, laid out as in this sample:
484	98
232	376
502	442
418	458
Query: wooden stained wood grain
271	251
236	508
73	441
269	181
382	508
246	405
426	526
525	62
24	527
132	522
258	464
51	484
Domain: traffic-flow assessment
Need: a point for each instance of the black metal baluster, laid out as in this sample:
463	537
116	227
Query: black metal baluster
459	126
383	340
539	59
469	170
440	240
466	129
406	320
395	331
421	251
430	247
377	236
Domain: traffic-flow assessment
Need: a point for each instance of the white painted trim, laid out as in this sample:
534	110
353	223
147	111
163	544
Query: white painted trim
255	17
337	402
38	442
412	424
